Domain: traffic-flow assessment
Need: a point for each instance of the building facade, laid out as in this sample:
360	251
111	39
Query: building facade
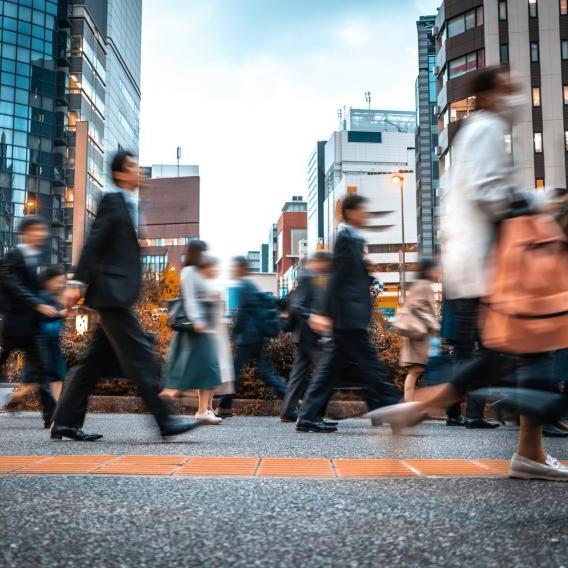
272	247
316	197
427	165
169	212
253	259
265	263
531	36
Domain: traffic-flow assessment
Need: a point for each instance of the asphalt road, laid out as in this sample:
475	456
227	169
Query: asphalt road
148	521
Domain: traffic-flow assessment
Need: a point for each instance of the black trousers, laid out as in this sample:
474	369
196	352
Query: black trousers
306	358
33	348
245	354
347	346
119	331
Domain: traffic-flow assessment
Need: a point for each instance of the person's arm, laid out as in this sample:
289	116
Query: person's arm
343	255
303	298
99	237
191	301
13	285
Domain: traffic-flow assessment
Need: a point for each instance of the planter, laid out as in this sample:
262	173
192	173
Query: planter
5	392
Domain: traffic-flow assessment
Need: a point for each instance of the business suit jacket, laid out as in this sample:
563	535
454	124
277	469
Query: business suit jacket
110	263
307	299
20	288
246	329
348	298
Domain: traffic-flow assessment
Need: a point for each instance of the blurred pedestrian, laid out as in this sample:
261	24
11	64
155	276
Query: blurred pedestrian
248	336
347	313
24	306
110	268
307	299
420	304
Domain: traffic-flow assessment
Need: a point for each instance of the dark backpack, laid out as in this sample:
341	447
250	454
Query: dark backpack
267	315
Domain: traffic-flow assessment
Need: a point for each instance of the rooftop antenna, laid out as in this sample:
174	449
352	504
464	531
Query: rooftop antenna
178	156
368	98
344	117
340	116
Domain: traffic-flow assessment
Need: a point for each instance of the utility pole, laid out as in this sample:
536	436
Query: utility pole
368	98
178	156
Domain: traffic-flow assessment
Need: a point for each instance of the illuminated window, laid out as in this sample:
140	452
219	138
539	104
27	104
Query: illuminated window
539	183
565	94
533	9
536	96
538	142
563	7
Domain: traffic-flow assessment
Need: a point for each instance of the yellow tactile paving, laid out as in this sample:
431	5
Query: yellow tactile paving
215	466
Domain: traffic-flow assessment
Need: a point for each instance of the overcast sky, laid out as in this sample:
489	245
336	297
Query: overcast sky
247	87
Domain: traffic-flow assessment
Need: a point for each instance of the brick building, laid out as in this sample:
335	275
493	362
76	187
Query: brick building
169	209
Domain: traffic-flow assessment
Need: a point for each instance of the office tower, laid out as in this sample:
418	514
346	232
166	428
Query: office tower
316	196
427	166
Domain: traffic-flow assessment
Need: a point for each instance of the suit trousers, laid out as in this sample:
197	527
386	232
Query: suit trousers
120	332
346	346
33	348
247	353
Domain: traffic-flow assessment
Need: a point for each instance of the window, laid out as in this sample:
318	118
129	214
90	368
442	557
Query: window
533	9
502	9
534	52
566	140
466	21
504	53
392	248
539	183
466	64
564	45
479	15
536	96
538	142
565	94
563	7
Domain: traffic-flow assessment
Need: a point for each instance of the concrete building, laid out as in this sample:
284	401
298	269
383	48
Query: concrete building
265	263
291	232
253	259
169	210
427	165
272	247
531	36
363	161
316	197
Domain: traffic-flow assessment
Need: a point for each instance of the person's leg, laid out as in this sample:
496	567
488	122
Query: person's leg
80	381
297	382
136	357
56	388
242	358
35	354
210	400
204	399
267	372
530	440
410	382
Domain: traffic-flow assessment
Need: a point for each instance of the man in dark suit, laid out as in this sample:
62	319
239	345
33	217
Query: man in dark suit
110	268
348	312
21	286
307	299
248	339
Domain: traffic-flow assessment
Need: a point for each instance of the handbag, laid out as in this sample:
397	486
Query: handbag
407	324
177	318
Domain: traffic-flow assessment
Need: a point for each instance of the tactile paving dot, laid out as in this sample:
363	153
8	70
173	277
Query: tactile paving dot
295	467
219	466
136	469
448	468
372	468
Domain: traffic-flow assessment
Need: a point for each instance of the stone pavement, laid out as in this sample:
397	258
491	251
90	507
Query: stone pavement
196	518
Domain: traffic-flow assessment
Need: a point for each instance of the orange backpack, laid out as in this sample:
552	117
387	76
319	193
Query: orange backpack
526	310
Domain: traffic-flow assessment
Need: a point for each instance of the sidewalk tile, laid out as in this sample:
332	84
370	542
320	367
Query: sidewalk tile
449	468
372	468
117	468
14	463
221	466
295	467
497	467
153	460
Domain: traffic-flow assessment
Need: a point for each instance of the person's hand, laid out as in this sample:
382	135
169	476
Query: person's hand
71	296
47	311
320	324
199	328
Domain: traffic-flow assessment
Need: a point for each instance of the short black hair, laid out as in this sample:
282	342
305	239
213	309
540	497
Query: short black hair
118	160
424	267
241	262
351	202
49	273
487	79
30	221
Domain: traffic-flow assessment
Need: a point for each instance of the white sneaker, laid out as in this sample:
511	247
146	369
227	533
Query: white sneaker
552	470
208	417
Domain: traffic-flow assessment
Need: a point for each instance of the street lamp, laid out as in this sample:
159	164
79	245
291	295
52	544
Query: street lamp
398	181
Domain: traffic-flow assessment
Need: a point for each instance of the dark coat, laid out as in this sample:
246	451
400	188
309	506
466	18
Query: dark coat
348	298
20	289
246	329
307	299
110	263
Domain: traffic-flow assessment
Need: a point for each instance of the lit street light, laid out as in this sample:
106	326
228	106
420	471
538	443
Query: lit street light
398	181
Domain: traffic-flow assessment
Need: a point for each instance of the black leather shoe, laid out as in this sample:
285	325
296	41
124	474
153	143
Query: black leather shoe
552	431
76	434
288	418
480	424
459	421
47	422
319	427
176	426
331	423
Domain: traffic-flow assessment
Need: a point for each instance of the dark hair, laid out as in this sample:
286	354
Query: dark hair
322	255
31	221
351	202
50	273
487	79
208	261
241	262
119	159
194	252
424	267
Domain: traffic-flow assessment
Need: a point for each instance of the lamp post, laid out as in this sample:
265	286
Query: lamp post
398	181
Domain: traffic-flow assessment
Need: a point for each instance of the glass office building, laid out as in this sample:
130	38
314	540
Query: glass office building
33	112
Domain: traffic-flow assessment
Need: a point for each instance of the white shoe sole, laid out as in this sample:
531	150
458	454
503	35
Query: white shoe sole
535	476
